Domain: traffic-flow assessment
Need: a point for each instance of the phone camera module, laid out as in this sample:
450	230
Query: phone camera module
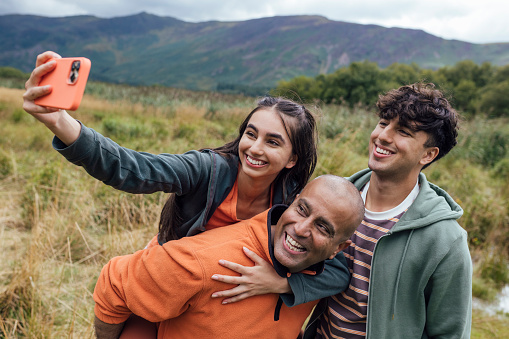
73	76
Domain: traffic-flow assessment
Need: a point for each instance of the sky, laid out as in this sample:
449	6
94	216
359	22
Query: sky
476	21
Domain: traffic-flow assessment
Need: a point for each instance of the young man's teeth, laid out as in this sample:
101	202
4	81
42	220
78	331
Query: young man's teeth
293	245
254	162
379	150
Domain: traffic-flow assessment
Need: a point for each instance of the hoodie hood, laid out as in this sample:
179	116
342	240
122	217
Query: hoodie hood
432	204
429	269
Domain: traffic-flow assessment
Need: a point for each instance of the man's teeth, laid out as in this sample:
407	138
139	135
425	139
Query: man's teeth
380	150
255	162
293	245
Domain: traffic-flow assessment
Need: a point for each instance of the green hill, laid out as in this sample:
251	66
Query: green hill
145	49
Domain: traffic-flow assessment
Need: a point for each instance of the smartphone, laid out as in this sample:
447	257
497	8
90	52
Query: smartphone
68	80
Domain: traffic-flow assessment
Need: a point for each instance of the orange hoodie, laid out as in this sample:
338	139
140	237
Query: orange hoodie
172	284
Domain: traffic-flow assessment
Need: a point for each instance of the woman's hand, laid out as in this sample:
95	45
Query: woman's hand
58	121
254	280
33	91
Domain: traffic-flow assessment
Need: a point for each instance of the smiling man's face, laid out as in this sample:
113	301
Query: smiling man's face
314	227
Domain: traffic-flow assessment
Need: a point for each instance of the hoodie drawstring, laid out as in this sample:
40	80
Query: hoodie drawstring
278	309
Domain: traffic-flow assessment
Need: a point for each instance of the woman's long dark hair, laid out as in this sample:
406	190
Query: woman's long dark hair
303	136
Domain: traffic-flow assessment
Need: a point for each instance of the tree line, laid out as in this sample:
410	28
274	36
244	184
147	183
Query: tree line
473	89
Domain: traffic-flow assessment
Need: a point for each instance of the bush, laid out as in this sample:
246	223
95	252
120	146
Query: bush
123	130
6	166
501	169
13	73
495	101
494	268
483	290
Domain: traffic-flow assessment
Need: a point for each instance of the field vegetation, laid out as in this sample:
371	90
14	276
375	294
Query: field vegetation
58	226
475	89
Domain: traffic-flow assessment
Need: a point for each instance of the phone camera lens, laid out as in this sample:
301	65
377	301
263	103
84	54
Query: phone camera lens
73	75
75	66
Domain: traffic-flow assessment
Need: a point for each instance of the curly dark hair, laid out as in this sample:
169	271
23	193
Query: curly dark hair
422	107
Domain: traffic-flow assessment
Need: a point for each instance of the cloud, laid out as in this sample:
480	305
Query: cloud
467	20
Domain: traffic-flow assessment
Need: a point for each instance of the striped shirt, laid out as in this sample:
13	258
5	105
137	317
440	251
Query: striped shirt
346	314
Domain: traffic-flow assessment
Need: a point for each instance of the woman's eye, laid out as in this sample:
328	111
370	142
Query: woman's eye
273	142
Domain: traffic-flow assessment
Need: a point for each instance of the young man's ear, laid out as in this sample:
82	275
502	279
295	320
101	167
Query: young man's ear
341	247
429	155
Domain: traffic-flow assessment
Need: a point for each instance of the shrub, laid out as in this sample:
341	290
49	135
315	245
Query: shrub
494	268
6	166
501	169
123	130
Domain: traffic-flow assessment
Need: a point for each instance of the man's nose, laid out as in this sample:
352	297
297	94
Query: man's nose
303	228
386	134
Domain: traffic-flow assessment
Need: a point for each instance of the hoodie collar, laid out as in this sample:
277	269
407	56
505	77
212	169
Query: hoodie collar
431	205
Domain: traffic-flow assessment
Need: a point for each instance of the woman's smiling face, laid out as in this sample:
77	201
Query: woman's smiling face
265	148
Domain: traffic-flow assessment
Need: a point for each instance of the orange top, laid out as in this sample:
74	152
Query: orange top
172	284
226	213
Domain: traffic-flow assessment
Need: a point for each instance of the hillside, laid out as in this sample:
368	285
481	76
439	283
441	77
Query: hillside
144	49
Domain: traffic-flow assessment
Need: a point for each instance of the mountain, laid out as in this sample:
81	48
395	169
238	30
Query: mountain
145	49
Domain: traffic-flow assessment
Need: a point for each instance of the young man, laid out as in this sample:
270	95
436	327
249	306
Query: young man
409	258
172	283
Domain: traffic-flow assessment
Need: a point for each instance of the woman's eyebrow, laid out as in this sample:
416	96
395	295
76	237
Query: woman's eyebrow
252	127
276	136
271	135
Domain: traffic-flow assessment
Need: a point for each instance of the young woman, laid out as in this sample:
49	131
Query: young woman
268	163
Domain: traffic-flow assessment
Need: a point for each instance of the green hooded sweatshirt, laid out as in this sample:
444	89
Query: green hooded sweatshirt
421	273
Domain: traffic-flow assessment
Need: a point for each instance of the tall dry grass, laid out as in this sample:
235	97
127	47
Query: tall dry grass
58	226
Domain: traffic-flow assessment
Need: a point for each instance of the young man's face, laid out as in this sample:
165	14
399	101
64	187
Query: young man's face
398	151
311	229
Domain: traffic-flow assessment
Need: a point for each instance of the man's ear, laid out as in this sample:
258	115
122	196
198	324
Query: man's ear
429	155
341	247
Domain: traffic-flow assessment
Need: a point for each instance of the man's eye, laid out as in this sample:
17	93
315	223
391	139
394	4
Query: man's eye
324	229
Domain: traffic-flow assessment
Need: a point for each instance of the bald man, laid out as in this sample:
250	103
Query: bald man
172	284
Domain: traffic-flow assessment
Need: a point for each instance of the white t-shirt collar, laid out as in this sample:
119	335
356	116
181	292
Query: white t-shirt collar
385	215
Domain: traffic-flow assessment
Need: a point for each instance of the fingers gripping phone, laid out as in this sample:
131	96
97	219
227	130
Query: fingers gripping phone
68	80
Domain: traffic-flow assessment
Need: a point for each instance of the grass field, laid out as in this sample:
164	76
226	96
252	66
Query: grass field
58	226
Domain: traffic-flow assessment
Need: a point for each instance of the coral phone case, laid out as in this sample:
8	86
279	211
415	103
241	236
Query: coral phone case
68	79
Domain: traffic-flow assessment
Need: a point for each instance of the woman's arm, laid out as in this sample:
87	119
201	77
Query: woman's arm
261	278
107	331
122	168
297	289
58	121
334	279
132	171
